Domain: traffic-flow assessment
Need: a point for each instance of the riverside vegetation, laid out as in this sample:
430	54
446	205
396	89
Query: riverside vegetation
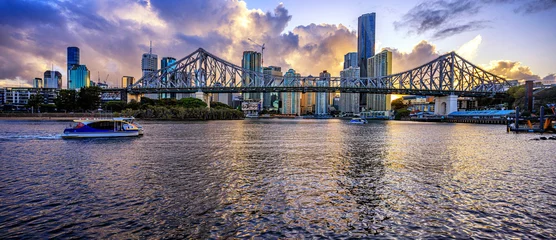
172	109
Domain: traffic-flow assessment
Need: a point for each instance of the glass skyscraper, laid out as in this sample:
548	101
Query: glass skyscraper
365	40
290	100
81	77
379	65
52	79
165	62
253	61
37	83
350	60
73	60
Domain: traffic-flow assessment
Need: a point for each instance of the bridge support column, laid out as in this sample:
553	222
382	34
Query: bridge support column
136	97
204	97
445	105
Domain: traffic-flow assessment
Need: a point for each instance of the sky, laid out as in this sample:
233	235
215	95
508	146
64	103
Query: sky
515	39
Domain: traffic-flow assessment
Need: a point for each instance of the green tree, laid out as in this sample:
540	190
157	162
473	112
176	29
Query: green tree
66	100
35	101
192	103
133	104
401	113
148	101
115	106
219	105
398	104
88	98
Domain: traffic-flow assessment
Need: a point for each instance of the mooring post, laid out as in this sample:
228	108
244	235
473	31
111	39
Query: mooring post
541	120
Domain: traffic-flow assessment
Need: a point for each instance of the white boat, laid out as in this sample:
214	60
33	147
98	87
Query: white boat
132	121
110	127
358	121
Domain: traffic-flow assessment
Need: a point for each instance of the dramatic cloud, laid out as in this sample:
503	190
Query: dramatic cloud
113	34
445	18
549	79
512	70
421	53
469	49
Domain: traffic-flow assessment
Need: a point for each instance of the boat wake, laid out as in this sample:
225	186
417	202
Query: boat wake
30	137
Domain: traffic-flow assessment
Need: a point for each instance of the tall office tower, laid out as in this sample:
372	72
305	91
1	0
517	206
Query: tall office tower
270	97
52	79
322	98
252	60
167	68
127	81
349	102
291	100
350	60
81	77
365	46
73	60
377	66
37	83
149	62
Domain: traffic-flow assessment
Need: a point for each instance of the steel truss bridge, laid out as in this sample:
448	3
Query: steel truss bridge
202	71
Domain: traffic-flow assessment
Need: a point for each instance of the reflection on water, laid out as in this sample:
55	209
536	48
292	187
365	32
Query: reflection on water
277	179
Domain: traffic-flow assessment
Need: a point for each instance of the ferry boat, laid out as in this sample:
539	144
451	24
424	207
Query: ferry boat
111	127
358	121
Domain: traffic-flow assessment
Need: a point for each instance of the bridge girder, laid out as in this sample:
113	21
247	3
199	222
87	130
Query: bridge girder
449	74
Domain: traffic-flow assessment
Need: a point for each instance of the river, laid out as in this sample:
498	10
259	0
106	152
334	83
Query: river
277	179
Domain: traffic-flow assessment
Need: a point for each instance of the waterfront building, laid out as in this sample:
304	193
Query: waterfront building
290	100
350	60
127	81
81	77
252	60
349	102
16	98
52	79
308	101
322	98
149	62
377	66
37	83
270	97
365	46
73	56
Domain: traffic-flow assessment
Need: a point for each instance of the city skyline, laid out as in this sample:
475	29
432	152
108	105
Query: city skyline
112	40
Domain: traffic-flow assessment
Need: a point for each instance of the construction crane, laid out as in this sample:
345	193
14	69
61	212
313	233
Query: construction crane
262	50
106	78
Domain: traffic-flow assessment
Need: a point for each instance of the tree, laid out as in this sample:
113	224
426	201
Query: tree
401	113
398	104
66	100
88	98
35	101
133	104
115	106
147	101
192	103
219	105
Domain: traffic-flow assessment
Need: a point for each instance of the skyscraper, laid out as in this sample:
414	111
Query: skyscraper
52	79
270	97
349	102
350	60
37	83
290	100
322	98
81	77
365	40
167	74
377	66
127	81
149	62
253	61
73	60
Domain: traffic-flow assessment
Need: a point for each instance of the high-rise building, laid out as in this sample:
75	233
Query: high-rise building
322	98
290	100
81	77
377	66
253	61
72	60
37	83
149	62
365	40
167	68
270	97
127	81
52	79
349	102
350	60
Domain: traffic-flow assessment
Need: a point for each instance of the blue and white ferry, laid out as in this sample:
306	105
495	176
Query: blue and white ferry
108	127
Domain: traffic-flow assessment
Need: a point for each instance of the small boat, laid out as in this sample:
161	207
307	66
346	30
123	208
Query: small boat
110	127
358	121
132	121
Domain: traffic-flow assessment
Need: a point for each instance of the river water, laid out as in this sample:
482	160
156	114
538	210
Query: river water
277	179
